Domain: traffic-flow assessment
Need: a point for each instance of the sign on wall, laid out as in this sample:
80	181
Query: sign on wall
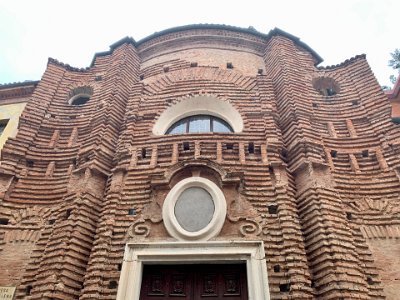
7	292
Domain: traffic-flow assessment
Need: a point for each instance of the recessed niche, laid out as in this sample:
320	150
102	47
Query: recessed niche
333	153
260	71
365	153
186	146
229	146
28	290
273	209
285	287
80	96
112	284
193	64
251	148
277	268
284	154
132	212
229	65
326	86
68	213
144	153
3	221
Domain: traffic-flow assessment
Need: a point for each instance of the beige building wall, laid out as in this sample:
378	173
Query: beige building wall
10	113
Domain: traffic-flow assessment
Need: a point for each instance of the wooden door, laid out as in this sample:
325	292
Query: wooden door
194	282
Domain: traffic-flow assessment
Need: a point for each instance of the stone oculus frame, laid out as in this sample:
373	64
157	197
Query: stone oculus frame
139	254
171	220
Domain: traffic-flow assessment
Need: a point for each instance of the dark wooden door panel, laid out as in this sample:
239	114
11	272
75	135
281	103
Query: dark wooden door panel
194	282
166	282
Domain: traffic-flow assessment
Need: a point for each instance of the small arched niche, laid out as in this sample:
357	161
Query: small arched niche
199	105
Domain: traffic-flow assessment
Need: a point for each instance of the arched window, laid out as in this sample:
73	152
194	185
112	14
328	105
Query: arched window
199	123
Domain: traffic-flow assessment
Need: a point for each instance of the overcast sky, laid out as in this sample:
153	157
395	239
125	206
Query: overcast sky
72	31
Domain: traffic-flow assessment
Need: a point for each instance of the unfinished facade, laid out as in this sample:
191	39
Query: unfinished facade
202	162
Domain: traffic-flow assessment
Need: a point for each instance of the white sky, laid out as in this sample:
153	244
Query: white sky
73	31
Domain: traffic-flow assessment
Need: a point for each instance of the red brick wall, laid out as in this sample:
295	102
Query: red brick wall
324	172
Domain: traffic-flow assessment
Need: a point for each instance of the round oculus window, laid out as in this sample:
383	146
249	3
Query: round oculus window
194	209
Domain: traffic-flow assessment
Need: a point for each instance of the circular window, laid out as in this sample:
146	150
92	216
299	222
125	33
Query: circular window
326	86
80	96
194	209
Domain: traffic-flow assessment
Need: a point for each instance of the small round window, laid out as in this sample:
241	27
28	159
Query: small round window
80	96
326	86
194	209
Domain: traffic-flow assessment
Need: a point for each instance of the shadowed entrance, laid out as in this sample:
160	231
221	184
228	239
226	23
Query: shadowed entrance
193	282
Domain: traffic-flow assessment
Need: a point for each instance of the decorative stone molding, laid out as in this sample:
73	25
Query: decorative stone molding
32	216
171	220
141	227
138	254
375	206
241	211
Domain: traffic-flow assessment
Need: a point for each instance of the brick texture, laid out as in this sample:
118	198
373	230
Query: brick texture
321	185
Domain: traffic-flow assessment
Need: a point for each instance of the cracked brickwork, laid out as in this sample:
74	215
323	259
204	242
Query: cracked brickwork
320	181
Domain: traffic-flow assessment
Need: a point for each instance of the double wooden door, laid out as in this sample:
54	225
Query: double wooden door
194	282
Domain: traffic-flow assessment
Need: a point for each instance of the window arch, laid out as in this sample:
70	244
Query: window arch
199	105
80	95
199	123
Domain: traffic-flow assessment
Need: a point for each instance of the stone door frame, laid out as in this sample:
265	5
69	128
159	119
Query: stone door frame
138	254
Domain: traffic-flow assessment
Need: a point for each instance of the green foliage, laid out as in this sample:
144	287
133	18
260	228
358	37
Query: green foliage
395	61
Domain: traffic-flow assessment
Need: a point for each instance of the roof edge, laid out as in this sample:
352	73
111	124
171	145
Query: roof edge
277	31
251	30
345	63
19	84
125	40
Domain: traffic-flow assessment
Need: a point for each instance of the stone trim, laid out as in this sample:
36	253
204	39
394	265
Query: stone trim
217	221
138	254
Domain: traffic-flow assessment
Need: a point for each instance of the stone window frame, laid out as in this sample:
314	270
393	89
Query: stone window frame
214	226
139	254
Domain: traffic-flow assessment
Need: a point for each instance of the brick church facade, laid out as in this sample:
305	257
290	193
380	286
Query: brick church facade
202	162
